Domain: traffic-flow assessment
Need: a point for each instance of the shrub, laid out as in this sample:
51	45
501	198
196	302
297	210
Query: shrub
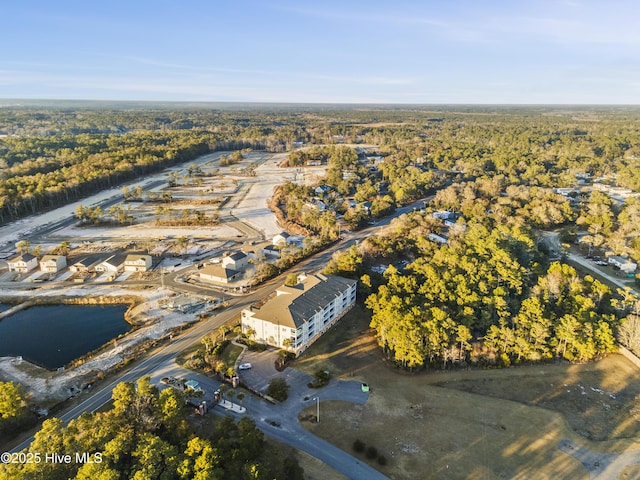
219	348
278	389
382	460
372	452
322	377
358	446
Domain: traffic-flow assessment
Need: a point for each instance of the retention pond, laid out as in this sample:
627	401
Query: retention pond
54	335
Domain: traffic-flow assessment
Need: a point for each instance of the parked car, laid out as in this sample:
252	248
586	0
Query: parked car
602	263
244	366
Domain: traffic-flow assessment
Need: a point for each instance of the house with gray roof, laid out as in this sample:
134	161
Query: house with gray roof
88	263
136	262
297	315
113	264
236	261
22	263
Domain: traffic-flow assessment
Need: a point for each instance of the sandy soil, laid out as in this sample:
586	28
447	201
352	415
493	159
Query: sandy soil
252	208
246	200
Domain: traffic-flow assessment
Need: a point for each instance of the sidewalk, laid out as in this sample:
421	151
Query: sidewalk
233	407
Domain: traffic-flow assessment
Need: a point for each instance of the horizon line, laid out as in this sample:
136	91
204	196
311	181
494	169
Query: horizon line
312	103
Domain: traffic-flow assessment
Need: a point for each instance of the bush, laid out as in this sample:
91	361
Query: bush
219	348
322	377
358	446
278	389
382	460
372	452
253	345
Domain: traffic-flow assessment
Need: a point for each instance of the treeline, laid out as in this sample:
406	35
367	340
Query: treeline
90	163
299	158
51	156
146	435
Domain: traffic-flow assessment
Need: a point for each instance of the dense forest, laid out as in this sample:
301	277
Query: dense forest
146	435
487	296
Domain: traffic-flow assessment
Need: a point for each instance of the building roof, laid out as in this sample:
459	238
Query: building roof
116	260
293	306
90	260
217	270
237	256
25	257
54	258
619	259
282	234
135	257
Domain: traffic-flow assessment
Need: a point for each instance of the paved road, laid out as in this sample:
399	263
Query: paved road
553	238
601	466
282	422
162	362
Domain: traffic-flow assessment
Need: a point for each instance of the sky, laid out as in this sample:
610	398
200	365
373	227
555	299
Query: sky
400	51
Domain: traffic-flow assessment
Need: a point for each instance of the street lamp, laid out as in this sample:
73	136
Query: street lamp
317	408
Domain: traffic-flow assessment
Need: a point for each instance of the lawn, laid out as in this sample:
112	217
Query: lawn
475	423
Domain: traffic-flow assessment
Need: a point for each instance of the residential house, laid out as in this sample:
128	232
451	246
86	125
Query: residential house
316	204
22	263
623	263
113	264
218	273
296	316
136	262
271	252
53	263
87	264
236	261
366	206
322	189
444	215
437	238
281	239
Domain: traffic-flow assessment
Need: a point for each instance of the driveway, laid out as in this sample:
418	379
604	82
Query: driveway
263	370
281	420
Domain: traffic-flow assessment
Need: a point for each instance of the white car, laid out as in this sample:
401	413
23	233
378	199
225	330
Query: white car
244	366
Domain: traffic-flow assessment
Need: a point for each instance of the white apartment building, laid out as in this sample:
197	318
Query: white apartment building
296	316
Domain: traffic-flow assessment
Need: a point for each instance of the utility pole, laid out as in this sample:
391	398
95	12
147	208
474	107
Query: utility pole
317	399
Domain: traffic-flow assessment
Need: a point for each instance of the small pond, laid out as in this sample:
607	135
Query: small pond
54	335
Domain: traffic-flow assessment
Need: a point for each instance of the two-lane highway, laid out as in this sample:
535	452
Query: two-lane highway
164	358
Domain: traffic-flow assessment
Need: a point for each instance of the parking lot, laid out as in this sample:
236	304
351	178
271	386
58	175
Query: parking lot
263	370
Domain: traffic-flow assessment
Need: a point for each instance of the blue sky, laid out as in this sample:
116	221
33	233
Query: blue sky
448	51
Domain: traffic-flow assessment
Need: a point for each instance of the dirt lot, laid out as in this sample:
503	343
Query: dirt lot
476	423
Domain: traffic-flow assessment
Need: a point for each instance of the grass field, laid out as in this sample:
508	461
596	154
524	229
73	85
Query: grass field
468	424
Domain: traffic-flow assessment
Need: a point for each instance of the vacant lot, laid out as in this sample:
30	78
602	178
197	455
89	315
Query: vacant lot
476	423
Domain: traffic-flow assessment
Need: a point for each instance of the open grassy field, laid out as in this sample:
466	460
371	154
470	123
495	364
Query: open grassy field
468	424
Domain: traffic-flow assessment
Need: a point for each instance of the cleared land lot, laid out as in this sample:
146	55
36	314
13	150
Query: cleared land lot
476	423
